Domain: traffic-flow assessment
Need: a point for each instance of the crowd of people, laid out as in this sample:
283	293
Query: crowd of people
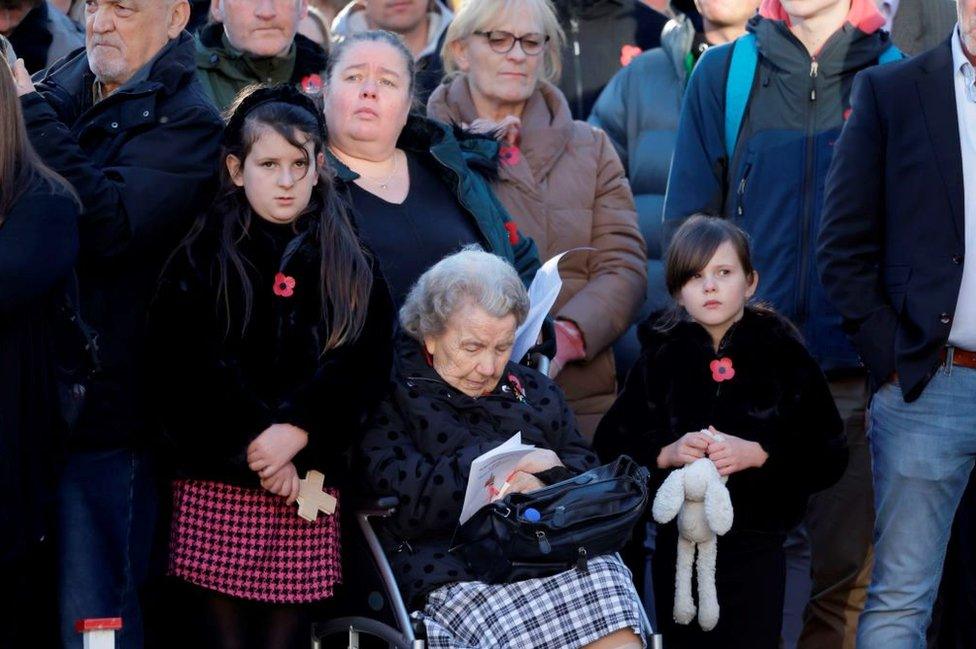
245	240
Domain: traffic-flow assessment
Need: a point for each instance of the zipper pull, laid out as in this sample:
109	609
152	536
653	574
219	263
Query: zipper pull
814	72
581	559
544	546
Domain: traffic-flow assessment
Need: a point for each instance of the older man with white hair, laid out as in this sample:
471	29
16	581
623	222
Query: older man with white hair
127	124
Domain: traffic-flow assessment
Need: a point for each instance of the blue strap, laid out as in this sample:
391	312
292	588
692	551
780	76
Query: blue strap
738	86
890	55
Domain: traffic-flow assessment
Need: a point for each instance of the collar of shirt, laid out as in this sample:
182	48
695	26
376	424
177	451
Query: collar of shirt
962	66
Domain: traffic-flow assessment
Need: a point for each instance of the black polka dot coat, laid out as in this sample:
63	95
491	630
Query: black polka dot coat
420	445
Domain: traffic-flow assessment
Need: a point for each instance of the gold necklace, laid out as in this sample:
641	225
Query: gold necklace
383	182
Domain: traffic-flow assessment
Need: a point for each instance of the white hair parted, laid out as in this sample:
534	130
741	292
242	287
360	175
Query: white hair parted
469	276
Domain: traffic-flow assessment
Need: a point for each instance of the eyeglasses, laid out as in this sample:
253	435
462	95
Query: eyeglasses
503	42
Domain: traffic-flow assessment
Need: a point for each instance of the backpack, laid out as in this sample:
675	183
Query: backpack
742	73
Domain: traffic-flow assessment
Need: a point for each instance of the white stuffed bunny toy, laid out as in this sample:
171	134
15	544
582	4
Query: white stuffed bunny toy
697	495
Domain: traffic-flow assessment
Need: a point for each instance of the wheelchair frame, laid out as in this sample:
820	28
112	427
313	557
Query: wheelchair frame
405	637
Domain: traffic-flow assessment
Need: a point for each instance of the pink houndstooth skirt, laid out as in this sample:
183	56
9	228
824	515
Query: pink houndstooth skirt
248	543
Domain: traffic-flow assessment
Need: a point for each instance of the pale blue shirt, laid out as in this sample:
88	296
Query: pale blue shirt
963	332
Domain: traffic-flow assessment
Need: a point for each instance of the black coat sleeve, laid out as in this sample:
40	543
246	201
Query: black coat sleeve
208	408
808	451
849	251
38	247
636	424
350	381
430	485
155	178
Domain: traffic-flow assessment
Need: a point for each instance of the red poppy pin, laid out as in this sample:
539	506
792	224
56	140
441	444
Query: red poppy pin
509	155
722	369
517	388
312	84
628	53
513	235
284	286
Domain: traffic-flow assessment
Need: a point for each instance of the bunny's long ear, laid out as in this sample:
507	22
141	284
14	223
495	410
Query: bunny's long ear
718	507
669	497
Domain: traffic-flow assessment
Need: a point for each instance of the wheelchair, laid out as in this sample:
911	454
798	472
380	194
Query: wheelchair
398	630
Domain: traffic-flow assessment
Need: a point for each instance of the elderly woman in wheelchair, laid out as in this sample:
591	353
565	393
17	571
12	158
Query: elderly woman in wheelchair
456	396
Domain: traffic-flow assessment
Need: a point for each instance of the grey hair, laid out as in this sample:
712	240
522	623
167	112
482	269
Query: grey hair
471	275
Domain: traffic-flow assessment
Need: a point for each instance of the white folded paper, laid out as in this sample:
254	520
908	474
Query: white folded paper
488	473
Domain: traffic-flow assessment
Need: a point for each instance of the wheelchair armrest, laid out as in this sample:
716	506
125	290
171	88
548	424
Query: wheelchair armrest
381	506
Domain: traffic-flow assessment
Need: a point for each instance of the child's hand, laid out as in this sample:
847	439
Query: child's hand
285	483
538	461
274	448
733	454
691	447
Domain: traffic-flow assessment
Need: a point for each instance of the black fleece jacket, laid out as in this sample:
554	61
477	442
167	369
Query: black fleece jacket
778	397
217	388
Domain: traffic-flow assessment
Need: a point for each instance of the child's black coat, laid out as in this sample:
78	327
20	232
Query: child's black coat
778	397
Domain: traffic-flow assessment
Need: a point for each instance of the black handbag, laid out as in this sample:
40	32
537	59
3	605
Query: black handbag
550	530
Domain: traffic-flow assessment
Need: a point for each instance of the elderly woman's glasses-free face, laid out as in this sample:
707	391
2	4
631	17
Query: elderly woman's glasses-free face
503	42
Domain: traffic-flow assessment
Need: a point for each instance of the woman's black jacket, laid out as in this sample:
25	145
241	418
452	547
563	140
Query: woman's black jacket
218	387
420	444
777	396
38	248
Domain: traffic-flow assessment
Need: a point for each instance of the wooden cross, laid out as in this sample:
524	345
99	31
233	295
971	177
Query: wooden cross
312	499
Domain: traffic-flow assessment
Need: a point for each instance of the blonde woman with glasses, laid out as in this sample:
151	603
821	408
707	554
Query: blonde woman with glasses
560	179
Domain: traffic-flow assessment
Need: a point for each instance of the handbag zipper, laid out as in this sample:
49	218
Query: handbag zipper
544	546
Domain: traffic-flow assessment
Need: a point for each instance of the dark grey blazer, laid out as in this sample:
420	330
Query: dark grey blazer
922	24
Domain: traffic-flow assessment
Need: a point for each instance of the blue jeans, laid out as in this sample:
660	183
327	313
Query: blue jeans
922	455
106	513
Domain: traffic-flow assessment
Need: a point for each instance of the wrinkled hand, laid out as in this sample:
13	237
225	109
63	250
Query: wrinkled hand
285	483
22	79
691	447
274	448
520	482
506	130
732	454
538	461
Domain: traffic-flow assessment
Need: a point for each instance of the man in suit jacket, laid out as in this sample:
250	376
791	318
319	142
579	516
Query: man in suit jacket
918	25
898	220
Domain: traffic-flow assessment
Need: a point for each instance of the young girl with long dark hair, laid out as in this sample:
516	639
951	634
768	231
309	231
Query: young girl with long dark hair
740	371
271	336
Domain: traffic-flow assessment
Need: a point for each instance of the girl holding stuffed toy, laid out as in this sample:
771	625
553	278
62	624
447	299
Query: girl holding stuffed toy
733	382
270	338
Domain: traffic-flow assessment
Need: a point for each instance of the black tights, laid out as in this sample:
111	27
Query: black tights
218	621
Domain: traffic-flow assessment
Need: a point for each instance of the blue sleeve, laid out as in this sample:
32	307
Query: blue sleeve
610	111
38	247
699	169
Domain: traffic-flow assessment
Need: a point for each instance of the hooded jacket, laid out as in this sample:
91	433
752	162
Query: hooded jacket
773	185
602	36
420	444
224	71
566	189
462	163
430	68
777	396
143	162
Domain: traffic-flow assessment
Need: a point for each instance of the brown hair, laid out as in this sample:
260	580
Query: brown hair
20	166
694	245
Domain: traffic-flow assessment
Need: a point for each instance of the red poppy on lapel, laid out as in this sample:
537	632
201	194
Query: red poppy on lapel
284	286
722	369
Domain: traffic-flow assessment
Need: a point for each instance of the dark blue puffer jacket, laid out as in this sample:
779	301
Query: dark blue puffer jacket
773	186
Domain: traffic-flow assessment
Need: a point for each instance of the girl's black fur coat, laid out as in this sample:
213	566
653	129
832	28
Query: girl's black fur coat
218	388
777	397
